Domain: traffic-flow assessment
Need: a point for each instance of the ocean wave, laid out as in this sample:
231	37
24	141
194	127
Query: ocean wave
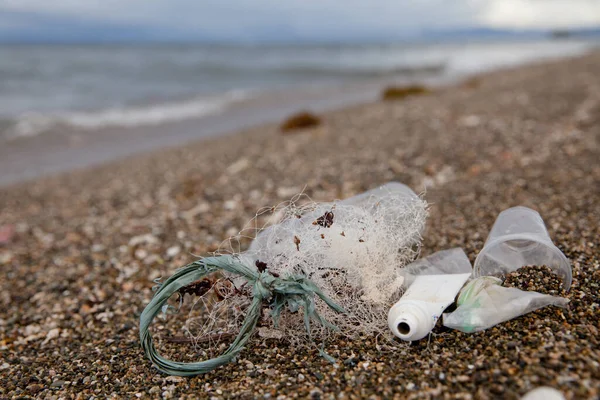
34	123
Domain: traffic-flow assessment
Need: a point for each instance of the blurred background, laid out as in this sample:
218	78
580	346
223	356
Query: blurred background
86	81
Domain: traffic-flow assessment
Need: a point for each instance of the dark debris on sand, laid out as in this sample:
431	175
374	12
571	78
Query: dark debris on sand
86	246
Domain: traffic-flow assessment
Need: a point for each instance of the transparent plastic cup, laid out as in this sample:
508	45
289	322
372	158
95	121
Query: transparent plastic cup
518	238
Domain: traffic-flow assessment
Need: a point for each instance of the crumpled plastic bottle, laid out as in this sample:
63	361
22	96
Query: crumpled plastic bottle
484	302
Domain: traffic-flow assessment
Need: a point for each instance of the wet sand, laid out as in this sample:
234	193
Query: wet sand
67	148
75	283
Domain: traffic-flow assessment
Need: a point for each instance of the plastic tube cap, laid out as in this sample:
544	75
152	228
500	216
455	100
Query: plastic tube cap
410	322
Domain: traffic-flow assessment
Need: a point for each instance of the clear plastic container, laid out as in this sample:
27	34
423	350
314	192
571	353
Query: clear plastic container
370	197
518	238
451	261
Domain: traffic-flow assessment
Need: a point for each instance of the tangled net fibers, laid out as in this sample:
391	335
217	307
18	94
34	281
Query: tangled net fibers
337	264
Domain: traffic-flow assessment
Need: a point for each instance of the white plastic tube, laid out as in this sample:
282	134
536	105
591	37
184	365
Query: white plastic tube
417	312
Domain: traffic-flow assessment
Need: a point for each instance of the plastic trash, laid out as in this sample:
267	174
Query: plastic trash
321	267
433	283
451	261
519	238
543	393
483	303
373	196
353	250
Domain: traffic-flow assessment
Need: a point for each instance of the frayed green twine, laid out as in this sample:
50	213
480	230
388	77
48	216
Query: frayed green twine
294	291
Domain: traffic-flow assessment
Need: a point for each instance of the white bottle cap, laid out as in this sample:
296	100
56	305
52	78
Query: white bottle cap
409	321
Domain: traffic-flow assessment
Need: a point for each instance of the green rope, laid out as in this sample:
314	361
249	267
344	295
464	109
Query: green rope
294	291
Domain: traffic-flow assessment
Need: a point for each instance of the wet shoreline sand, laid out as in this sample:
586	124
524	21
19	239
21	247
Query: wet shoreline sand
66	148
75	283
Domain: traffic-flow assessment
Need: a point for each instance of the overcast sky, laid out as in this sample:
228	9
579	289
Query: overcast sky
249	20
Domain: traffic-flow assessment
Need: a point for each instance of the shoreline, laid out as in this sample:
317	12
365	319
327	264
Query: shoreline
27	158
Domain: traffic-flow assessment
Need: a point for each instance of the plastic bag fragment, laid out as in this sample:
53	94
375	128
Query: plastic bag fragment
484	302
451	261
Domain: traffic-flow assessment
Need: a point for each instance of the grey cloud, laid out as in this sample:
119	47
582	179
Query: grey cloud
297	19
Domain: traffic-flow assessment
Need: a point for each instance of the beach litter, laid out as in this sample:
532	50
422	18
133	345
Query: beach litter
543	393
517	239
433	283
321	267
317	268
484	303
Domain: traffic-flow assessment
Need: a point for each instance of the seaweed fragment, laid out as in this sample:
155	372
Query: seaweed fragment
261	266
325	220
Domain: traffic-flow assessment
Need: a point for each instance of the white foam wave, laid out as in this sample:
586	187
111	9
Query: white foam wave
32	123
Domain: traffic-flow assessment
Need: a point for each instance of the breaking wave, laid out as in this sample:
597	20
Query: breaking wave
35	123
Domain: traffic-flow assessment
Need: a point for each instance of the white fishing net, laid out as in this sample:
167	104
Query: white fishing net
353	250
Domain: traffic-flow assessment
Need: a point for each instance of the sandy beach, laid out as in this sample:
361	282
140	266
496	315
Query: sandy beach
75	284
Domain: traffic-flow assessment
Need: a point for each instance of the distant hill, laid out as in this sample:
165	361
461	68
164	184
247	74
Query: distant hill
490	33
568	33
482	32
